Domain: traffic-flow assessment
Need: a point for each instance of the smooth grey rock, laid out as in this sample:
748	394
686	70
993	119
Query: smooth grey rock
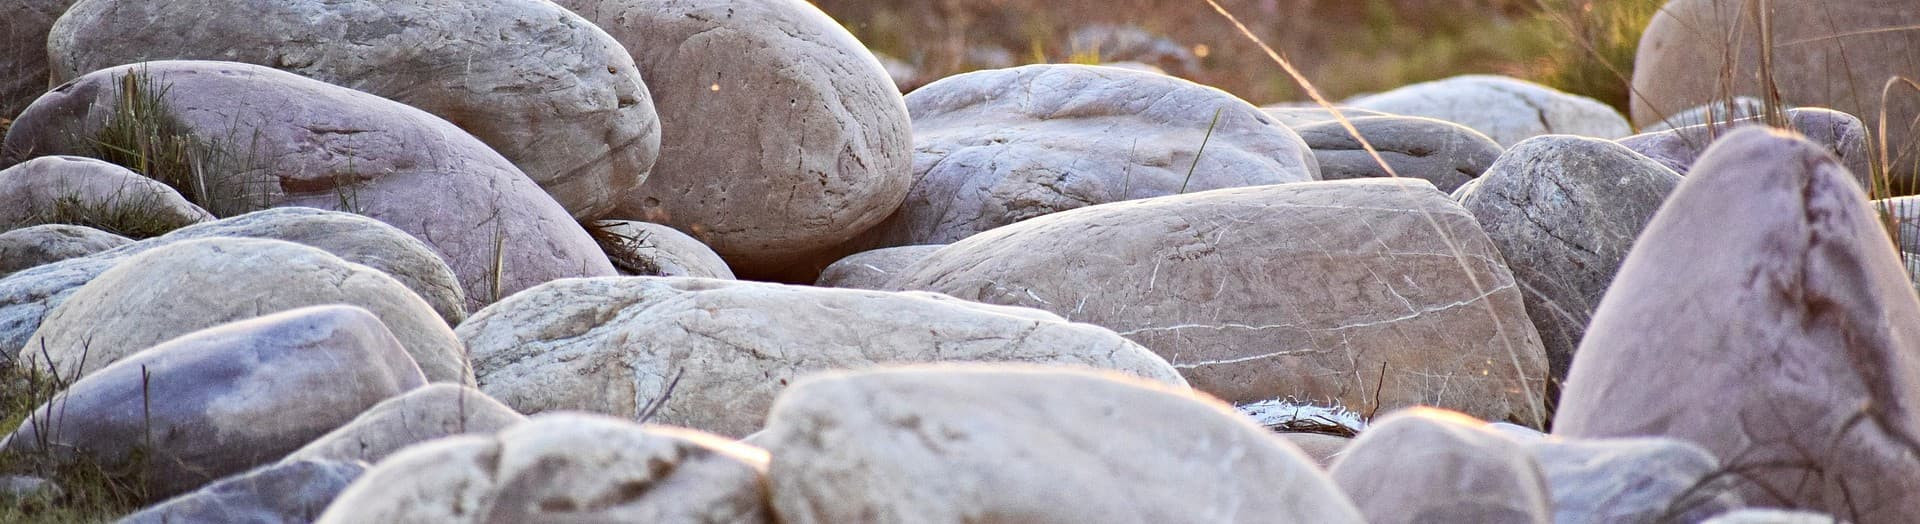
28	296
196	284
1307	113
645	249
20	489
564	468
1764	315
1444	153
1508	110
783	135
1338	293
1715	112
1840	133
872	269
222	400
614	345
93	193
311	144
1427	465
45	244
995	147
1631	480
23	51
293	492
1010	443
435	411
548	90
1564	210
1772	516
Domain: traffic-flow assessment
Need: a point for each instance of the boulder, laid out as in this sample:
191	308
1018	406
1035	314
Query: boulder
547	89
564	468
196	284
1905	214
1840	133
28	296
93	193
1320	447
1444	153
1838	54
1775	325
1340	292
1631	480
275	139
293	492
1716	112
643	249
1005	443
23	51
1508	110
872	269
783	135
1428	465
41	245
1772	516
712	354
1298	115
1075	136
1564	210
220	401
432	412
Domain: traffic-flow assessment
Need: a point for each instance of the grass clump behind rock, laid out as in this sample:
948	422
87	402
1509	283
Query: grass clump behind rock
89	492
143	135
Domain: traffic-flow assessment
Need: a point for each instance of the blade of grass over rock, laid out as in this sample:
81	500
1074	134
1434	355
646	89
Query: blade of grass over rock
1201	151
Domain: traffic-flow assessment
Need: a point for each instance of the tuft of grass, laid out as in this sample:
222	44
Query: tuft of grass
623	250
131	217
91	492
143	134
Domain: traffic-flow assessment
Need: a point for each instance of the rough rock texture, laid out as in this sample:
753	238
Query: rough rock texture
872	269
1564	210
1005	443
197	284
64	188
220	401
644	249
1428	465
614	345
1297	116
307	143
1444	153
1841	134
23	51
432	412
783	134
547	89
1337	291
1631	480
1767	306
1508	110
564	468
41	245
1715	112
28	296
1836	53
293	492
996	147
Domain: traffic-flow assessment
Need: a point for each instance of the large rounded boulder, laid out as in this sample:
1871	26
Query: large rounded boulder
255	137
1445	153
999	146
545	88
23	51
783	134
30	247
95	193
1368	294
1426	465
1506	109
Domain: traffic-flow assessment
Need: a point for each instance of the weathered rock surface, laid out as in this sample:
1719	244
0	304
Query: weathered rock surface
1233	287
564	468
45	244
1775	324
312	144
220	401
980	443
23	51
545	88
196	284
1444	153
1841	134
66	189
645	249
293	492
1715	112
783	135
1075	136
1299	115
1428	465
435	411
872	269
1508	110
724	349
1564	210
1837	54
1631	480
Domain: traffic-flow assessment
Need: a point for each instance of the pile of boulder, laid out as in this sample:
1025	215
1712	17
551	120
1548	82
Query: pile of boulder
701	261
